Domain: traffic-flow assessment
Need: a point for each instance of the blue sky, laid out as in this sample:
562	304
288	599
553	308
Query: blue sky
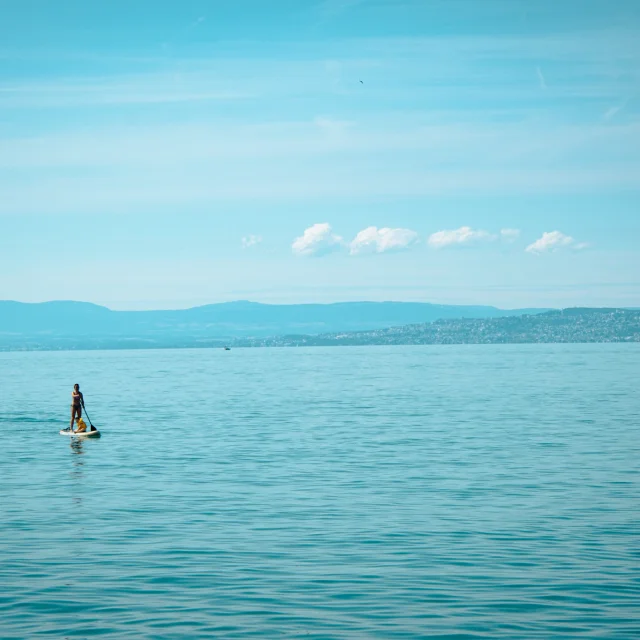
159	155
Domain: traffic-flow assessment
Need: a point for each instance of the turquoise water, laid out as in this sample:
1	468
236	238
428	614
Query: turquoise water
419	492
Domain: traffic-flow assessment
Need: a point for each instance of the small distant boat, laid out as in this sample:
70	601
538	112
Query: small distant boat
227	348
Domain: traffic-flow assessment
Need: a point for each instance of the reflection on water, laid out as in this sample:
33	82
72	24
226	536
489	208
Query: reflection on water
77	446
77	474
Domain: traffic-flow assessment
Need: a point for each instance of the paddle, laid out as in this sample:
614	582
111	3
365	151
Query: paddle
86	414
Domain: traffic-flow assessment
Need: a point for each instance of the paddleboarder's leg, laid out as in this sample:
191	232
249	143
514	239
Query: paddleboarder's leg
76	414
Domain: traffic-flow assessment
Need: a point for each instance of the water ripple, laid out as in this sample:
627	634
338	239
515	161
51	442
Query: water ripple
441	492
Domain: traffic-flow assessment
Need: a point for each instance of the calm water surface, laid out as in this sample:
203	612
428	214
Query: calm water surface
453	492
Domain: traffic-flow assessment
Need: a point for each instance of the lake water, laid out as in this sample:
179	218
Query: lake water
375	492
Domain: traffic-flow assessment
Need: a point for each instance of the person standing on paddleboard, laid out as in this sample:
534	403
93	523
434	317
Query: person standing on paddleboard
77	403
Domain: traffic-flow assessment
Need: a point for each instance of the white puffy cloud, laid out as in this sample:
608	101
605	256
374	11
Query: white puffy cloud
377	240
509	235
461	236
554	240
251	241
317	240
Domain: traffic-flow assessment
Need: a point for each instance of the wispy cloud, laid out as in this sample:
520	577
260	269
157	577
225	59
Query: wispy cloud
473	147
381	240
317	240
116	90
393	143
458	237
251	241
551	241
163	189
611	112
509	235
492	68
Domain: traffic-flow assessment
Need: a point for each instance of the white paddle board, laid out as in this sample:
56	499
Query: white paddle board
82	434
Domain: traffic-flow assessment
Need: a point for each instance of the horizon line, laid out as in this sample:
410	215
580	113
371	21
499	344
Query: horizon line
318	304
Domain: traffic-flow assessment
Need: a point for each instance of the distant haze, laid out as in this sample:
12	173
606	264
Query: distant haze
71	324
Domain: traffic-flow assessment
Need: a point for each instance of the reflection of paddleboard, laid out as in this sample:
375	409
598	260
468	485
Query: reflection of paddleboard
82	434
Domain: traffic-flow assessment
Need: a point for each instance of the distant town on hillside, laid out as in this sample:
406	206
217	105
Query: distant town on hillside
78	326
565	326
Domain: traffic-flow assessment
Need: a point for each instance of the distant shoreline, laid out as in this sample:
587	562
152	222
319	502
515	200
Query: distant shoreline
571	326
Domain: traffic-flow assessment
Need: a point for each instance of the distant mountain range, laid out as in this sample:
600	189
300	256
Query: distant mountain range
78	325
81	325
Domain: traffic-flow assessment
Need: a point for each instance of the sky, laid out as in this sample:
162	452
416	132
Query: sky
170	154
